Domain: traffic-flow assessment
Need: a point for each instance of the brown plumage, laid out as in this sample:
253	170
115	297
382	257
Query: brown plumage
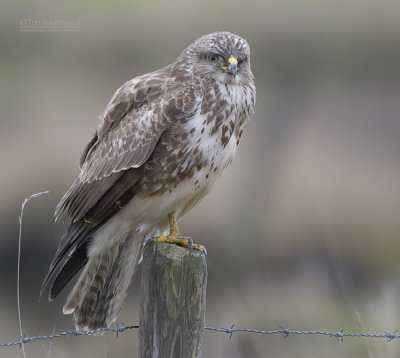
163	140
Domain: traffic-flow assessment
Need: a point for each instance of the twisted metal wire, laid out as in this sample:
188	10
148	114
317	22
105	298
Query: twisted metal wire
285	332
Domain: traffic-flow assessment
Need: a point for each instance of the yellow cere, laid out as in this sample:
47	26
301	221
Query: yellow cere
232	60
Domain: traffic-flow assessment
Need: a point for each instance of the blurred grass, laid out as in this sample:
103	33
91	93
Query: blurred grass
302	230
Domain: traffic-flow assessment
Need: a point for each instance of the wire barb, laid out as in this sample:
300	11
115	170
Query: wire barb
338	335
391	336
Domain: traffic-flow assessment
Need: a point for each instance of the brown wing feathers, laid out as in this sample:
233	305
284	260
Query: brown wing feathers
82	196
106	183
111	165
71	255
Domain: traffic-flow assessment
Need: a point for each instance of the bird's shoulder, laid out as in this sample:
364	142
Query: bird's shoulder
136	116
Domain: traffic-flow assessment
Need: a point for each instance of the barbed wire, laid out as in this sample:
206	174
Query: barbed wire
120	328
284	332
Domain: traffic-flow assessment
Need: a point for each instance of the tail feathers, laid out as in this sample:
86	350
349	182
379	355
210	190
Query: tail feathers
97	297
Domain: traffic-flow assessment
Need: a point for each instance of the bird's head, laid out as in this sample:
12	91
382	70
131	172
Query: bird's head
221	56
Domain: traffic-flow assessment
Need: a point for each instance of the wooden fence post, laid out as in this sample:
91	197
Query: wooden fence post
173	301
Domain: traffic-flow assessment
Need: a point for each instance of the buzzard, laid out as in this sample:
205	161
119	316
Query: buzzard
163	140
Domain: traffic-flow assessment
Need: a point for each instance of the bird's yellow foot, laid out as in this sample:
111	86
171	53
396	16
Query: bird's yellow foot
175	239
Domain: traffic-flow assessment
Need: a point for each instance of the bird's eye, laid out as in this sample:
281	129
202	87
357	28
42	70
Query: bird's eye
212	58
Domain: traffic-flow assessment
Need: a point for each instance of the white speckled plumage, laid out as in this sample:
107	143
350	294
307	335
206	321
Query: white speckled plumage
162	142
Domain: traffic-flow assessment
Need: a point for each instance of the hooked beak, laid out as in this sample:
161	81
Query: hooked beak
232	65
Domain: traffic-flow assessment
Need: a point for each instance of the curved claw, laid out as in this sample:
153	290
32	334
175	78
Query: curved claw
176	239
187	242
200	248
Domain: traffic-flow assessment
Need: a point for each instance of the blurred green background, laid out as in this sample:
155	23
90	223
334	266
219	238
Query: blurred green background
302	230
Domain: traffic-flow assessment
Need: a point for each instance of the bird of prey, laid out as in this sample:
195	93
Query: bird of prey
162	141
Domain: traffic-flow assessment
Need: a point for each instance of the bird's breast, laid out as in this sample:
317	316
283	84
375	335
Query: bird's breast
192	154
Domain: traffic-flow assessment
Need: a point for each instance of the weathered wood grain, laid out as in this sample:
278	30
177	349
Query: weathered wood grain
173	300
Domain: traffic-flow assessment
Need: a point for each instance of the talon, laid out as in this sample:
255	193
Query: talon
176	239
189	242
200	248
